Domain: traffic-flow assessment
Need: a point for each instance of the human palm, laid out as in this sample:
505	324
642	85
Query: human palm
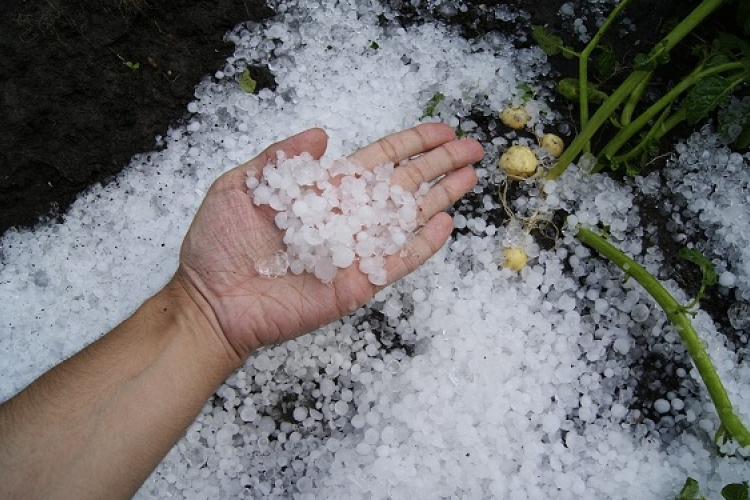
231	235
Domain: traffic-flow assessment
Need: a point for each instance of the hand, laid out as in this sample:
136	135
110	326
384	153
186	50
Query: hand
230	234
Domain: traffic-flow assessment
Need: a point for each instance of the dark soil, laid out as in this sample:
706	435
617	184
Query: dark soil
86	84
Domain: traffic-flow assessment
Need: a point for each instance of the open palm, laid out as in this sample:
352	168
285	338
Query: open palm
230	235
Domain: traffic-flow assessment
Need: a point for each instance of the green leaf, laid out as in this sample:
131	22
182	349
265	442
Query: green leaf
735	491
632	170
552	45
743	16
707	267
705	96
374	45
569	88
605	63
689	491
246	82
659	55
734	123
732	48
743	139
432	104
132	65
527	92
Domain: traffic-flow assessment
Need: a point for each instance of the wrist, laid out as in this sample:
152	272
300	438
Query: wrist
196	318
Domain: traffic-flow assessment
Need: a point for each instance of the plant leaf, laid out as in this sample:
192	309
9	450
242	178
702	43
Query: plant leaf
246	82
735	491
527	92
689	491
733	48
436	99
743	139
707	267
734	123
569	89
659	55
552	45
705	96
605	63
743	16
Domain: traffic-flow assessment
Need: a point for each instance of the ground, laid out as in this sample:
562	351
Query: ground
86	84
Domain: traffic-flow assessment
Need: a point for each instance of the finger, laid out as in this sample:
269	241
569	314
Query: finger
402	145
425	244
446	192
440	161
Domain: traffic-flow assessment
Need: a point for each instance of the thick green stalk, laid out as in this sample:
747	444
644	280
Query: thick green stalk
601	116
583	64
705	8
677	315
627	132
629	108
661	128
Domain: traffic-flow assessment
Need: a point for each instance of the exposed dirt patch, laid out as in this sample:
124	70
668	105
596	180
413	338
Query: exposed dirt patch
86	84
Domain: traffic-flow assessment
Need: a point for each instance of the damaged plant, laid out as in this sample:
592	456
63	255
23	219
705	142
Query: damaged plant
723	67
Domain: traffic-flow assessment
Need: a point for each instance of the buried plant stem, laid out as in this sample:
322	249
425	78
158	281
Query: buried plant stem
678	315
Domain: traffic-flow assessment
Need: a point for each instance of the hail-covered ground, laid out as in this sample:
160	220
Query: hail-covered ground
464	380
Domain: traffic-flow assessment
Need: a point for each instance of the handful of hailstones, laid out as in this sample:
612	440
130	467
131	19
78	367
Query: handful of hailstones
334	212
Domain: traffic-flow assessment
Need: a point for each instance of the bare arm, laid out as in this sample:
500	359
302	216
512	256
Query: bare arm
96	425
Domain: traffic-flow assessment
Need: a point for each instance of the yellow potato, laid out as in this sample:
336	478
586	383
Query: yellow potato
515	117
519	162
553	144
514	258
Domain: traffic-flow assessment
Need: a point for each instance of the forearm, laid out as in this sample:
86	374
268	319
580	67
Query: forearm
96	425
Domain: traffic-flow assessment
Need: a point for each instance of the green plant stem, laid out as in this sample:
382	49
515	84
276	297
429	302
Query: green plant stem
629	108
583	64
609	106
601	116
661	128
627	132
677	315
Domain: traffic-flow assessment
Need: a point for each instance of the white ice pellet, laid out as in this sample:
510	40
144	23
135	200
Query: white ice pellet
274	266
727	279
321	240
662	405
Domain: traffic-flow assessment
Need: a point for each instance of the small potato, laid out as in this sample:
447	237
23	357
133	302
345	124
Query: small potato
514	258
515	117
553	144
519	162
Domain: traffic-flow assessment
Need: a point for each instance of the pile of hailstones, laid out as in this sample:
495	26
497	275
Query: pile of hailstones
334	212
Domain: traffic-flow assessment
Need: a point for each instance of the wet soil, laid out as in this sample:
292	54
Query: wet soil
86	84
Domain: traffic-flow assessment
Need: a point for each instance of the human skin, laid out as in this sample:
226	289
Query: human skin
97	424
